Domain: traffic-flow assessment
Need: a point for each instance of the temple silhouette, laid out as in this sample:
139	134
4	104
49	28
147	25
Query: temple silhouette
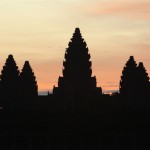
77	79
77	115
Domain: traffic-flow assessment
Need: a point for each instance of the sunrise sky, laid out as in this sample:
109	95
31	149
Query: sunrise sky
39	31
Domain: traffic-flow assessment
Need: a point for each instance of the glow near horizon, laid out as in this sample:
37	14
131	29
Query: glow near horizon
39	31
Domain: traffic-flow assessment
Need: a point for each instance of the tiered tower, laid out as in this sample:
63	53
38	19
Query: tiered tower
9	84
77	72
128	83
134	80
28	83
143	81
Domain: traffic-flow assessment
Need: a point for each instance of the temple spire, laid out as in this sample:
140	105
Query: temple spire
143	81
9	78
134	80
129	78
28	83
77	69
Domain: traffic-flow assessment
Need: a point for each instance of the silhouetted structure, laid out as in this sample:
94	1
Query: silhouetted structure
129	80
143	83
9	84
77	72
28	84
135	86
95	121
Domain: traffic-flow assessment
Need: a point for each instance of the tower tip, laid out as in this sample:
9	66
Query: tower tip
27	63
140	64
131	57
10	56
77	30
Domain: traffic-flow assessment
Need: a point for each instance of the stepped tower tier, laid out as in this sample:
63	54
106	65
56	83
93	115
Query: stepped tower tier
128	83
9	78
28	83
143	81
77	69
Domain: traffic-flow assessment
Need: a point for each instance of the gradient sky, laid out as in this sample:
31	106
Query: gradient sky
39	31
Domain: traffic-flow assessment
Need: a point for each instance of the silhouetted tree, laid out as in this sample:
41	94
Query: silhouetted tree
128	83
9	78
143	81
28	83
77	69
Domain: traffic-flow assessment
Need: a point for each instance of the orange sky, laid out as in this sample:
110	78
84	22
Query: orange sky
39	31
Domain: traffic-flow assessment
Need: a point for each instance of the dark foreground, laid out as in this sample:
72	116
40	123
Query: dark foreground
46	128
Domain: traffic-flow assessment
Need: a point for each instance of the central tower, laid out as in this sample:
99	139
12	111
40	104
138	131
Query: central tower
77	72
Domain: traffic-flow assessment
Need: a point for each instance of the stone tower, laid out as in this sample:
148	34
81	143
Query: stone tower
9	84
129	78
28	83
77	70
143	81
